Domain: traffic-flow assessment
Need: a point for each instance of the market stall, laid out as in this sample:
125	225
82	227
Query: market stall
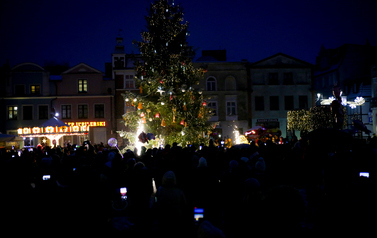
53	129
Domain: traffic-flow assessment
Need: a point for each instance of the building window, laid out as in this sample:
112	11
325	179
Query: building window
99	111
66	111
118	62
273	79
27	112
213	106
129	81
83	111
274	103
12	113
288	103
19	89
231	108
288	78
43	112
83	85
35	89
259	103
211	84
303	101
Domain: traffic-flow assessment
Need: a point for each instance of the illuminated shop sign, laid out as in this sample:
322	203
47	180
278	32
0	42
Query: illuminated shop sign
52	130
87	123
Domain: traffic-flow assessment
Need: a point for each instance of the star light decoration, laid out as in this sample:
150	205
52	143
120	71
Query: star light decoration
359	101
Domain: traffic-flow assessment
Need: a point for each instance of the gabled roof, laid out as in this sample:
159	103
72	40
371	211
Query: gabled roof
53	122
280	60
82	68
28	66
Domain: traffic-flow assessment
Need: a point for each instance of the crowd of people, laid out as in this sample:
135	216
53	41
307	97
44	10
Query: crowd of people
309	186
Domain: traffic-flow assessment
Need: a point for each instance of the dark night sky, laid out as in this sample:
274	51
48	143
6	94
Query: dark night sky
84	31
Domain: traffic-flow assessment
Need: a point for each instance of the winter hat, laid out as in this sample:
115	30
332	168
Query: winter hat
110	158
260	164
202	162
169	179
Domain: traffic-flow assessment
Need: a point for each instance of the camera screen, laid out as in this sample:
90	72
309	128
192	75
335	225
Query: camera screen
364	174
123	193
46	177
198	213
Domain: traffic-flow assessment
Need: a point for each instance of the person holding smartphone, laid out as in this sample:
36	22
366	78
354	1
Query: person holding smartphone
170	206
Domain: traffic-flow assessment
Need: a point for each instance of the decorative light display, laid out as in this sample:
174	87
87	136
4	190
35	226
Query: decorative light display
53	132
167	81
239	139
359	101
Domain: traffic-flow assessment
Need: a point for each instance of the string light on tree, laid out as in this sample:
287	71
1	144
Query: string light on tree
167	79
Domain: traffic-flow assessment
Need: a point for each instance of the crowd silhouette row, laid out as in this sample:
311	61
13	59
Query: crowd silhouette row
310	186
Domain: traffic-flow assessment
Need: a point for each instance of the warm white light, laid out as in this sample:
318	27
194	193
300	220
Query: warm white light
138	143
237	136
359	101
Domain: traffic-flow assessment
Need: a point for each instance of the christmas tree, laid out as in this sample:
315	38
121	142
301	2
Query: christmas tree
169	104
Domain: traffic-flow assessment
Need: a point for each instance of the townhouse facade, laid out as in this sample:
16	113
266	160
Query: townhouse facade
85	97
241	95
26	100
80	96
122	70
225	85
279	83
349	67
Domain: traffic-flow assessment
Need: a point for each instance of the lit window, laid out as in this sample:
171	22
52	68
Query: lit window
35	89
83	85
12	113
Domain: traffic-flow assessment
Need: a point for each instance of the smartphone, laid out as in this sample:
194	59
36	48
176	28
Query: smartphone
364	174
198	214
200	147
46	177
123	193
19	153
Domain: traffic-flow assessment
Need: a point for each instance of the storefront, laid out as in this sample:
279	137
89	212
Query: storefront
98	132
51	132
